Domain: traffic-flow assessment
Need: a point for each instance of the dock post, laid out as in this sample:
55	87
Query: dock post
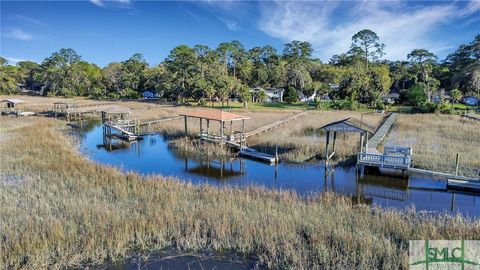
276	154
243	131
208	127
334	139
361	142
221	132
186	127
457	160
326	149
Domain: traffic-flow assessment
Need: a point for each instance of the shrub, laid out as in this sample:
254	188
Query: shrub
425	107
113	95
291	95
444	108
131	94
416	95
346	104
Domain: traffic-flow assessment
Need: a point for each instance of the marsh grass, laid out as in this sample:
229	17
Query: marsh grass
301	140
436	139
199	149
71	212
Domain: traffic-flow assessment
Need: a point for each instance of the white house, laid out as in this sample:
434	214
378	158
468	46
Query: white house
391	98
303	97
333	86
272	94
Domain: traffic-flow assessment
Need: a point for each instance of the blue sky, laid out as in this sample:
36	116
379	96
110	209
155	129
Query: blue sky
106	31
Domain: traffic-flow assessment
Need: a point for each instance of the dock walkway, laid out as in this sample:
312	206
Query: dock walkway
274	124
393	157
381	132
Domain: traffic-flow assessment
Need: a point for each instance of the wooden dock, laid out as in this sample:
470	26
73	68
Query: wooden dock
393	157
147	125
472	117
463	184
443	175
382	131
252	153
274	124
384	160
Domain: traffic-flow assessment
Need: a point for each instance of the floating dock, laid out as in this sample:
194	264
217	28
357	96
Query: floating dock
463	184
252	153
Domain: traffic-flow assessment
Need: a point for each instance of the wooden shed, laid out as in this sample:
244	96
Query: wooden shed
12	103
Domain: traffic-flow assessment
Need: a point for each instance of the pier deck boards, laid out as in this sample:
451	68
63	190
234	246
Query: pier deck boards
393	157
381	132
274	124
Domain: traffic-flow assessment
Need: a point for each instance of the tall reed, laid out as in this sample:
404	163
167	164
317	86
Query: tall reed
59	209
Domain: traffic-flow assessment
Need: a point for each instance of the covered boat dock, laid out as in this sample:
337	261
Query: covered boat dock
224	118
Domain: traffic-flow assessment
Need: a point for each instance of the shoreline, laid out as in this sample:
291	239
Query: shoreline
92	213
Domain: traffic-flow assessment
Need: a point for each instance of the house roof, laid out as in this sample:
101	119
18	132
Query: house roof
13	100
216	115
348	125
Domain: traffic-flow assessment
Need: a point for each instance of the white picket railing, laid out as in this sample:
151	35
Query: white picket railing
384	160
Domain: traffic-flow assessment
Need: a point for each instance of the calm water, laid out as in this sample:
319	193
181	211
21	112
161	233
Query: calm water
153	156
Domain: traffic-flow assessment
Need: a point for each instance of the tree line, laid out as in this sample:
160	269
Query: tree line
206	74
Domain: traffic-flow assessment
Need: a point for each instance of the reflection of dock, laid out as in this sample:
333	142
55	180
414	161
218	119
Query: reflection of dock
218	169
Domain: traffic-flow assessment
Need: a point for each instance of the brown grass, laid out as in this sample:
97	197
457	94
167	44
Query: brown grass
66	211
300	140
436	139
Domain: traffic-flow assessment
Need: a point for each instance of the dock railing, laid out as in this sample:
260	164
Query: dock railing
407	151
384	160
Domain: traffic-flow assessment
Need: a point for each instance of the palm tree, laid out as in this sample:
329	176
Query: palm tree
261	95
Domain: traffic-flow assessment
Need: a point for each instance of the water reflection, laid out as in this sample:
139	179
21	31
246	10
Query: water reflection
153	156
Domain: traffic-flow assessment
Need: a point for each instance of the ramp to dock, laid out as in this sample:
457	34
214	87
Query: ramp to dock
382	132
274	124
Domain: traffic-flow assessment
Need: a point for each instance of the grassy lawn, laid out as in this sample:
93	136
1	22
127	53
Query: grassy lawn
60	210
262	105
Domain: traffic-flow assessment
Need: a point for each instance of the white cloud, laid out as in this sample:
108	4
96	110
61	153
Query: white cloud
18	34
329	26
98	3
13	60
30	20
103	3
230	24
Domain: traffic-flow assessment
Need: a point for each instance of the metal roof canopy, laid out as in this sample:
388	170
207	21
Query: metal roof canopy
216	115
348	125
351	125
13	100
